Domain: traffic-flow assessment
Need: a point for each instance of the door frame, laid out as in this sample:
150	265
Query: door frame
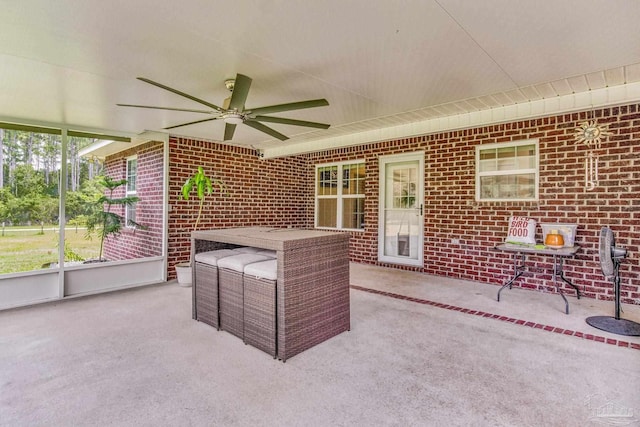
383	161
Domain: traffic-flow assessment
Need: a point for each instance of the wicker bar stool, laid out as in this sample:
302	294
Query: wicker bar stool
231	297
260	282
205	285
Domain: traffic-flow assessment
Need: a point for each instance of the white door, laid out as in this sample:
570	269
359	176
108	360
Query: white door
401	228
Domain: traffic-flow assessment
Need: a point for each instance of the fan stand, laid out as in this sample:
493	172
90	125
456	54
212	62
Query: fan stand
615	325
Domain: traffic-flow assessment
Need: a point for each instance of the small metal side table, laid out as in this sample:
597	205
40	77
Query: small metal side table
519	265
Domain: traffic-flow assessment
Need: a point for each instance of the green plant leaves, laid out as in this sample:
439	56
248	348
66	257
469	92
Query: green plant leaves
201	182
204	186
105	222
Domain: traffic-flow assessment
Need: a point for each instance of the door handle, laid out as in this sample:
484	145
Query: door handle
420	209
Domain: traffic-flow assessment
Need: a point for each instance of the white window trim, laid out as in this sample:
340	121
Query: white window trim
339	197
129	192
535	171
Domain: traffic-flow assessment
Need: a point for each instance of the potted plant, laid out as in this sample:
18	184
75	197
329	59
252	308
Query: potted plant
203	187
105	222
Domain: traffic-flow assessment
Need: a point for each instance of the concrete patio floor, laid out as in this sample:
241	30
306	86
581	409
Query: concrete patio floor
422	351
535	308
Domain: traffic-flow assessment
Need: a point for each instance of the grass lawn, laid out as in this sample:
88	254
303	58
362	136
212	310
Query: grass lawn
26	248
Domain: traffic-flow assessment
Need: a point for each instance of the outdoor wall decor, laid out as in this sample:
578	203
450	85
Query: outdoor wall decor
591	133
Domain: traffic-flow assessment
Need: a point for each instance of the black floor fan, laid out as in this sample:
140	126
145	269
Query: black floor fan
610	258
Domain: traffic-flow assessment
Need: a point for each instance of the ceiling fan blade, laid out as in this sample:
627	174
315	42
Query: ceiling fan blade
262	128
192	123
229	129
289	106
284	121
168	108
177	92
240	92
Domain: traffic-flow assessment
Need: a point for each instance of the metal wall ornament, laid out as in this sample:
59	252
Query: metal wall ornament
591	134
590	171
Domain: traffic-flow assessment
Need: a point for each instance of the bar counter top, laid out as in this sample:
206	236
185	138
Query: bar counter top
266	237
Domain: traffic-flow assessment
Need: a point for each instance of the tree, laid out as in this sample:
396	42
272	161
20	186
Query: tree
44	210
12	152
6	201
50	153
79	168
72	152
30	168
1	158
27	181
83	203
107	223
94	168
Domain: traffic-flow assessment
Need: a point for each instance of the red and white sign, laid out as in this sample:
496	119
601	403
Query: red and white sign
521	230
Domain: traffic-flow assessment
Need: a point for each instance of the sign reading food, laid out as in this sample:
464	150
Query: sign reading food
521	230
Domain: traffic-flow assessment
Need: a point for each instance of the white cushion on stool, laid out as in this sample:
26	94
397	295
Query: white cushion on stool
268	252
238	262
247	250
263	270
212	257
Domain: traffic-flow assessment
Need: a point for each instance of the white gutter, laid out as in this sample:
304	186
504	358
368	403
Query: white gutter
597	98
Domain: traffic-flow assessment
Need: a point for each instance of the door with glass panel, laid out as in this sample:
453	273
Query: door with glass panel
401	228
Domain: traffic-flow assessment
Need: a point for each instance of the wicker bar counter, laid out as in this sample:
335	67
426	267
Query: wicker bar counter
312	296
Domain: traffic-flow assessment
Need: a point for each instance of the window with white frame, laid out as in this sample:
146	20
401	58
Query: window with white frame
132	172
340	196
507	171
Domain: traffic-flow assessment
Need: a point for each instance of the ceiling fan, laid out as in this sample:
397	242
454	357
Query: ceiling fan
233	111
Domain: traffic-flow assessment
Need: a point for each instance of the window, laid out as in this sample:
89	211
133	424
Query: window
340	196
132	172
507	171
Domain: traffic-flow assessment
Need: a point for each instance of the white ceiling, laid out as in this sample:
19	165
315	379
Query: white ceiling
381	64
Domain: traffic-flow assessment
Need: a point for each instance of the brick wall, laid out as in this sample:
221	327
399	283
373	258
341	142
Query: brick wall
451	211
139	243
271	192
279	192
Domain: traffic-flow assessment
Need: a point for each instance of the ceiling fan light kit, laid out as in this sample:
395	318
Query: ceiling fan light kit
233	118
234	111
